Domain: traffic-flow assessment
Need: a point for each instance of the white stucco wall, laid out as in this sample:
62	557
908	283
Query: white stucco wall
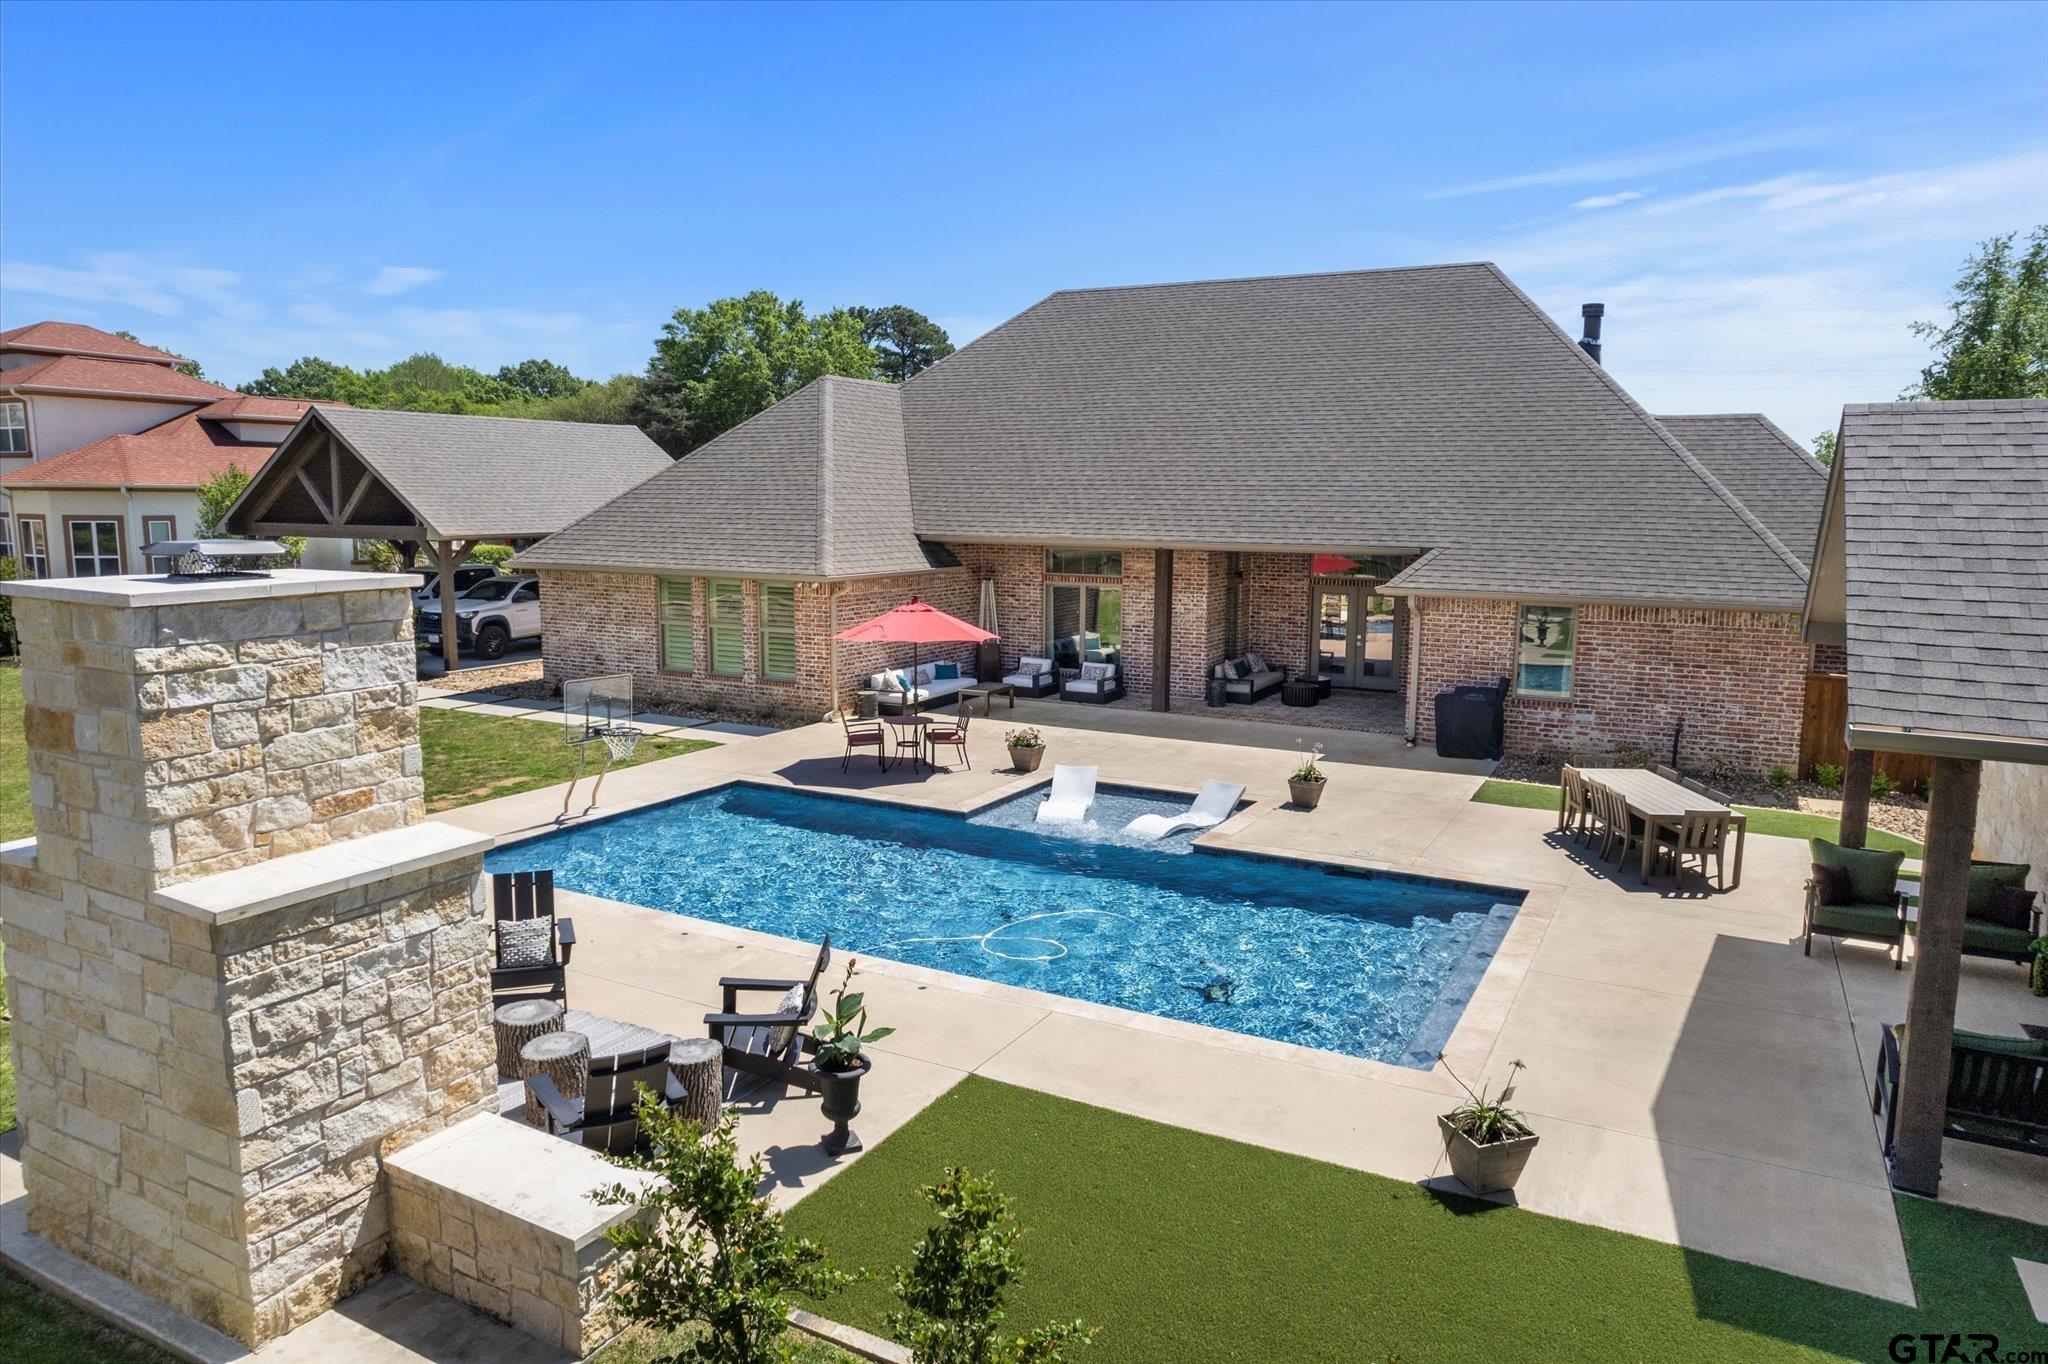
130	508
2012	817
58	424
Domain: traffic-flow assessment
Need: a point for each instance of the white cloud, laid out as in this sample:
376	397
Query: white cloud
1643	162
1609	200
399	279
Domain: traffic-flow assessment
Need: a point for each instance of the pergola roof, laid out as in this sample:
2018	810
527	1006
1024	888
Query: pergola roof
429	475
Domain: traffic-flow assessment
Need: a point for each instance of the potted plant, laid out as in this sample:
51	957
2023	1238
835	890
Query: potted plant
1305	784
1487	1141
1027	748
839	1063
2037	974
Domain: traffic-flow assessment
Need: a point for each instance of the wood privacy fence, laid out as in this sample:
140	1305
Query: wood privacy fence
1827	717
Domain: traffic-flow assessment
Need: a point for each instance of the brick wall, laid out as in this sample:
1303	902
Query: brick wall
597	623
1276	608
1735	677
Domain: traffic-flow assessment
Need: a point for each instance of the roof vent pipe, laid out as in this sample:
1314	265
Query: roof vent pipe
1590	342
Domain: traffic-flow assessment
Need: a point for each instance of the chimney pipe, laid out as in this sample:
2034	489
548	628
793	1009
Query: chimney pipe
1590	342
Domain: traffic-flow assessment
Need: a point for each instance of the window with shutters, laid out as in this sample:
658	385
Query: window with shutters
678	650
728	630
778	631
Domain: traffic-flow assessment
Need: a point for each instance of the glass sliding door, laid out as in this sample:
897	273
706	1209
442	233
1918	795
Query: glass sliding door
1359	634
1084	623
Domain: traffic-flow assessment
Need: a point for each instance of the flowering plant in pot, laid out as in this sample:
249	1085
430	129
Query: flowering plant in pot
1305	784
1488	1142
1027	748
842	1031
2037	972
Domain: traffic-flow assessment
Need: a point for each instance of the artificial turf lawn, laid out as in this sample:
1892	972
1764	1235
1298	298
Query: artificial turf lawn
1185	1247
1531	795
468	758
36	1328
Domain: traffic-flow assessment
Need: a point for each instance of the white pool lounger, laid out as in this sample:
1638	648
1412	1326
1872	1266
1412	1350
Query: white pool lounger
1211	807
1073	791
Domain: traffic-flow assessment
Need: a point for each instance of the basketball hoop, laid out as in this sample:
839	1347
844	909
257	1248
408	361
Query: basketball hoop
619	740
595	711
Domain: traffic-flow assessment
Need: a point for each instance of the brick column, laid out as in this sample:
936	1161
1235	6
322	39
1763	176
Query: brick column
241	968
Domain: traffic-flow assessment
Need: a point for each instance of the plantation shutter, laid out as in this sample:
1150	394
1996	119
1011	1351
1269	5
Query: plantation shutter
728	630
778	631
677	649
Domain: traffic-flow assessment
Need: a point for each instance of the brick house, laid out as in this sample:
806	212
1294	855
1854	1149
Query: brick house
1393	480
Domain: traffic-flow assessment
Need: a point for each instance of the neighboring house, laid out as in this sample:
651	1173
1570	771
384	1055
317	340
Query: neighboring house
103	444
1399	479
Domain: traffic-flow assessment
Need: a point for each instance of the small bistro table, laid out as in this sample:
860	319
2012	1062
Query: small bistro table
1662	803
909	734
988	691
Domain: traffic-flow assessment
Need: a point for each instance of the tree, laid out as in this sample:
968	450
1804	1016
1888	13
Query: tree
218	494
309	377
612	401
953	1291
707	1252
1995	342
541	379
189	368
904	340
716	366
1824	447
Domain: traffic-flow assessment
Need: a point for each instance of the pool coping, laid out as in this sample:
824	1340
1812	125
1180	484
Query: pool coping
1461	1059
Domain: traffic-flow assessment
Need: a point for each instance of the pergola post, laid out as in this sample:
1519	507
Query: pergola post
1162	628
1937	967
448	555
1856	775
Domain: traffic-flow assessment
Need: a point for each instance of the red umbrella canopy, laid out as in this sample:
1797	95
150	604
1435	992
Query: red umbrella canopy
914	622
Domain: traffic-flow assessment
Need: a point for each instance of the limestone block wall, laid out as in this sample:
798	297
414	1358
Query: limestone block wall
2012	817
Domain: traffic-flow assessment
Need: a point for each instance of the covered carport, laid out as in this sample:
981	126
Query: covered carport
444	482
1932	572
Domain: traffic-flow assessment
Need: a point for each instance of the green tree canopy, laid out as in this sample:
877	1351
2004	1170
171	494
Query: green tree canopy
904	340
1995	342
427	383
1824	447
218	494
184	366
309	377
541	379
716	366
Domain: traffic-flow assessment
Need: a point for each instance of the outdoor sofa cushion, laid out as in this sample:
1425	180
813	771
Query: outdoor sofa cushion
2010	907
1870	921
1831	886
1095	680
1031	672
1986	877
1874	875
1981	935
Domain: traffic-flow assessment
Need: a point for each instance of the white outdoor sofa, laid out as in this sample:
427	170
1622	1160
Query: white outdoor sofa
902	691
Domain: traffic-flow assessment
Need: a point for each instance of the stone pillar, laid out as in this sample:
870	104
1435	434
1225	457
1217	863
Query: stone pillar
1856	775
241	969
1937	966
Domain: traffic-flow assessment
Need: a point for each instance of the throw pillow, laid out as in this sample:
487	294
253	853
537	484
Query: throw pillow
1873	875
2009	907
1831	886
1987	877
1242	667
1258	662
781	1037
526	942
1098	672
945	672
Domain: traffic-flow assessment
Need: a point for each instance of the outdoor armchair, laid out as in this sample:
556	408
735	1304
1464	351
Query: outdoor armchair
771	1044
530	944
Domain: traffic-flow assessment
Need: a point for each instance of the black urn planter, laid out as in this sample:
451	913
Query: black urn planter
840	1090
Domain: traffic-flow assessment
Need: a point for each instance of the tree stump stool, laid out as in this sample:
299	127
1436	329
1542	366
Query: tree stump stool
519	1023
698	1063
564	1057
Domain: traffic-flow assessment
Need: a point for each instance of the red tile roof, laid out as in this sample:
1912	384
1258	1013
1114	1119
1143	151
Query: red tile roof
75	338
78	374
183	452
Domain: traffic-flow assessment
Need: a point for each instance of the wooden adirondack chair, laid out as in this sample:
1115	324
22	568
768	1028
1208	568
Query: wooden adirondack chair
771	1046
520	966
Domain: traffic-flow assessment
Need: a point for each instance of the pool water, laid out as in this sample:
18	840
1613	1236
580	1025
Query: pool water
1363	963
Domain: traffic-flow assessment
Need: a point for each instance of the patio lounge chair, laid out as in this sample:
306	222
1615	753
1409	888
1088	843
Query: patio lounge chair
769	1045
1875	911
531	946
603	1119
1034	677
1099	683
1215	804
1997	1090
1983	934
1073	791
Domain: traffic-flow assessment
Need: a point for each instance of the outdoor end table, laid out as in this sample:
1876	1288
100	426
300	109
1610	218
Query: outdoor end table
986	693
1297	691
518	1023
909	734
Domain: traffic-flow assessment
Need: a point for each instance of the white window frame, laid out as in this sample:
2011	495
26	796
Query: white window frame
14	428
97	558
1528	654
34	528
159	563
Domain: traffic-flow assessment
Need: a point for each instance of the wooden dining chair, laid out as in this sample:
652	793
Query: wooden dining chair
1667	772
1701	834
951	734
1607	827
1571	806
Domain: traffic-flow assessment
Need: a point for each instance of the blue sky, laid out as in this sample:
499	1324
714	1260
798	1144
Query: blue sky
1764	197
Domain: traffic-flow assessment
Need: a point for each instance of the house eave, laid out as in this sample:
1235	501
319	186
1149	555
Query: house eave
1939	743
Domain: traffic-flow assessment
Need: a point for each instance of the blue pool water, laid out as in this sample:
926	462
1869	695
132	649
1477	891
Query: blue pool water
1366	964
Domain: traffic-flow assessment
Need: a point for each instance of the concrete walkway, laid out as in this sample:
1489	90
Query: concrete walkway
1695	1079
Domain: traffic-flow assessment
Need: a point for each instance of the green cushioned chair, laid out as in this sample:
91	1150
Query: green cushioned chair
1879	913
1997	1090
1981	937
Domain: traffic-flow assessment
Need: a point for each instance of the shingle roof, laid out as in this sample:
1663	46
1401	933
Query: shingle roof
1754	459
84	376
815	487
1945	546
75	338
465	477
183	452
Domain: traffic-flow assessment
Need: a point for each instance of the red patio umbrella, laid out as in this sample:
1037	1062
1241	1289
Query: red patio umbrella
914	623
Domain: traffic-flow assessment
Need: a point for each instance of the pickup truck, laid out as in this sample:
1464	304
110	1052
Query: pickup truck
489	616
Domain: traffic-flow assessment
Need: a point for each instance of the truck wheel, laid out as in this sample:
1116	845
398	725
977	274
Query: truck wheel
491	641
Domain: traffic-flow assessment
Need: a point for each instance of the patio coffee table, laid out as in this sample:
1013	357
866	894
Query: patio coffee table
1297	691
992	689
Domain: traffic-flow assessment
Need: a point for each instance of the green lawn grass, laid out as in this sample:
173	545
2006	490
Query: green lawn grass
1532	795
37	1328
1185	1247
14	817
468	758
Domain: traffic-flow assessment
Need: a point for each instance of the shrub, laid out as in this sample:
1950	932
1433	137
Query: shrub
953	1291
1882	785
707	1251
1780	778
494	555
379	556
10	569
1828	775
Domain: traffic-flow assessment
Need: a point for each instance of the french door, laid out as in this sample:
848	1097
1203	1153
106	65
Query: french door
1357	633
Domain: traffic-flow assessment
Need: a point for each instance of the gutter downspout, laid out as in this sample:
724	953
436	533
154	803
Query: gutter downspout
832	596
1414	665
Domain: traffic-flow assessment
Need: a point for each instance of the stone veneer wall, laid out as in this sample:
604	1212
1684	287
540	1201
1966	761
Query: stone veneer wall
2012	817
1737	678
209	1063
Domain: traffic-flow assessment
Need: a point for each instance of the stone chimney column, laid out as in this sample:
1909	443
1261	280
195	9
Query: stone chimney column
242	968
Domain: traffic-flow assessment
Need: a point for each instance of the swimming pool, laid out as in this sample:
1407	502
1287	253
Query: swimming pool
1363	963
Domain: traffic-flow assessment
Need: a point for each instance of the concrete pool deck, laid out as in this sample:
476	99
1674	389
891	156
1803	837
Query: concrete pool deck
1695	1079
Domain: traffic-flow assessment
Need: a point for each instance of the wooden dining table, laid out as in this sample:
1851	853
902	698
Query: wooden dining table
1662	803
